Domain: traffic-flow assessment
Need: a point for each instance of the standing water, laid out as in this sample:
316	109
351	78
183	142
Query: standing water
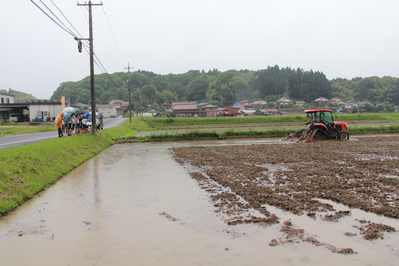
134	205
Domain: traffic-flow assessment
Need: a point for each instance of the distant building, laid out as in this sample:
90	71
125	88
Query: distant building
299	103
107	110
184	108
209	110
336	101
117	102
321	102
260	102
6	98
284	101
5	111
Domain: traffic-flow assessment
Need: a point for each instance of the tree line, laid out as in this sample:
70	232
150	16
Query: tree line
226	88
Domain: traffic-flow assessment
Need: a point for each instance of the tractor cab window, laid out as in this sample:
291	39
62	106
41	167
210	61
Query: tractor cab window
326	118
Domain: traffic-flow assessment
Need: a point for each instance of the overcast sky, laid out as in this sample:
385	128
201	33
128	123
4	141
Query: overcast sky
341	38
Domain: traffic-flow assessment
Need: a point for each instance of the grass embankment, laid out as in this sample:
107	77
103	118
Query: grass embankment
26	170
174	122
12	128
277	130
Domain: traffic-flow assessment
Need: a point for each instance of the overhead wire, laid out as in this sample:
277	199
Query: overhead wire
62	13
64	27
112	33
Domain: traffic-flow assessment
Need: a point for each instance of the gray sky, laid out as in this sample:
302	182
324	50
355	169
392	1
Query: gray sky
341	38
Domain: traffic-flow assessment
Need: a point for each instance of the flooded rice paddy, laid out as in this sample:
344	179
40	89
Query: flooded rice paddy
245	202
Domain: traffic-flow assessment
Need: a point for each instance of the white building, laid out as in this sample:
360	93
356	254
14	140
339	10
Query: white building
5	111
108	110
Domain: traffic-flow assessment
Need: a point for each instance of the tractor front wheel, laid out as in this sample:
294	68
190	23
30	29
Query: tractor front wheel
344	136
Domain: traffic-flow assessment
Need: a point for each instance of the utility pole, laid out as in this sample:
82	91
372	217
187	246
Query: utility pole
130	98
93	89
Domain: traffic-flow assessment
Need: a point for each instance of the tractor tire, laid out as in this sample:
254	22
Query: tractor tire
344	136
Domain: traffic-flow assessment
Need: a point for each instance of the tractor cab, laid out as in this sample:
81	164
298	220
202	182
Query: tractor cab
322	125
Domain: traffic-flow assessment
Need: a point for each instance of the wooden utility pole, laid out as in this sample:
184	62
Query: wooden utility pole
130	98
93	89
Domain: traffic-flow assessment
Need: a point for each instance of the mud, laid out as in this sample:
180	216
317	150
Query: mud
298	179
133	204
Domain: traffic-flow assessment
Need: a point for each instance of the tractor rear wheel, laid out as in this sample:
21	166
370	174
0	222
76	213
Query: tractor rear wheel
344	136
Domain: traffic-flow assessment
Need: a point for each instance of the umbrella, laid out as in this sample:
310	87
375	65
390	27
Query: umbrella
69	111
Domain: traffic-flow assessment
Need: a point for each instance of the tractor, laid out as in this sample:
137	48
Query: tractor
321	126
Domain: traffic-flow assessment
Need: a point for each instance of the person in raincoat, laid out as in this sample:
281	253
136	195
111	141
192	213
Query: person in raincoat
59	123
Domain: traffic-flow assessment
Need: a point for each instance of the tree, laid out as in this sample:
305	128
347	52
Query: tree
240	88
161	83
197	88
138	80
170	96
394	93
83	96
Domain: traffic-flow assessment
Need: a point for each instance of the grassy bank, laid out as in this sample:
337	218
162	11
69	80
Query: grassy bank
12	128
183	121
231	133
26	170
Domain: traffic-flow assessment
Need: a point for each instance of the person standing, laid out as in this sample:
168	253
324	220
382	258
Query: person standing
59	123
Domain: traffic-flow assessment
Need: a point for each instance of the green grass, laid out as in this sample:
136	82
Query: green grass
8	129
183	121
163	122
26	170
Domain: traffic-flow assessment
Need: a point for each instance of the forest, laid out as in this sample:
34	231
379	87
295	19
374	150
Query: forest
226	88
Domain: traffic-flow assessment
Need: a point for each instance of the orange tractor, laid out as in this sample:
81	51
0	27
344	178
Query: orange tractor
321	126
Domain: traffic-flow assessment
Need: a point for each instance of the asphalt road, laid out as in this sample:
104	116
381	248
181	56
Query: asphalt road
24	139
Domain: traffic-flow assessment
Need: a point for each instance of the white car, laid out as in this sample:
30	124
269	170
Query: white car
14	117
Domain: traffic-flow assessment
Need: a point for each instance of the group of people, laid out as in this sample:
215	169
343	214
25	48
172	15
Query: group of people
74	125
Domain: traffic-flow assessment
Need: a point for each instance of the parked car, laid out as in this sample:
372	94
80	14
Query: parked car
14	117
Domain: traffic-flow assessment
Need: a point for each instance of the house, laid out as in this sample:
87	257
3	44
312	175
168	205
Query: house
322	102
246	103
350	106
272	112
6	97
299	103
336	101
116	102
184	108
5	112
233	110
363	103
108	110
248	112
209	110
284	101
259	103
260	112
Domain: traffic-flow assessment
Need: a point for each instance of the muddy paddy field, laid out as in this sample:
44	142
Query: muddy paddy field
225	202
322	184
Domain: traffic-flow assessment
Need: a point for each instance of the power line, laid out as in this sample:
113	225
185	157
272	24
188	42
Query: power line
112	33
63	28
62	13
